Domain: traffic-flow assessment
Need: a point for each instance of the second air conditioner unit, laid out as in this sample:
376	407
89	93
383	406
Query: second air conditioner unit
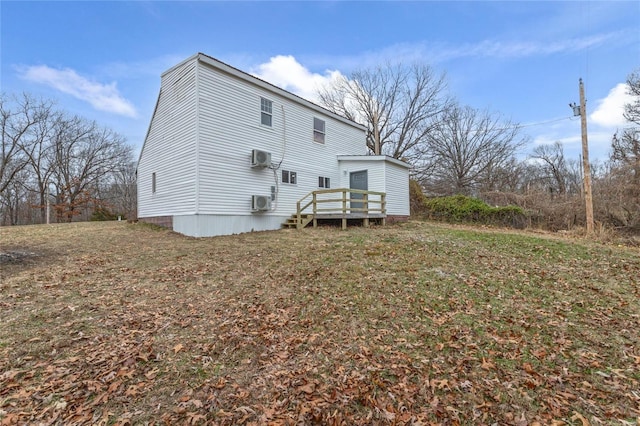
260	158
260	203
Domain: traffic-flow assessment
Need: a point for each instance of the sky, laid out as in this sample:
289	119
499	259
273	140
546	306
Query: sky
519	60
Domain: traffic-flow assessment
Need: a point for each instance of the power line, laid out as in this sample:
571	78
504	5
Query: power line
520	126
539	123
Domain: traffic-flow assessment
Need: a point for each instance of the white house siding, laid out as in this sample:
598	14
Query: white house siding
199	143
385	174
169	150
230	128
397	184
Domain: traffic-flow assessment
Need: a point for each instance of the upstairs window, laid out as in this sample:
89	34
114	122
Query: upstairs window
323	182
289	177
318	130
266	112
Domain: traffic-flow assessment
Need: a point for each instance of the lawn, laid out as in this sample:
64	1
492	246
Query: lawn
418	323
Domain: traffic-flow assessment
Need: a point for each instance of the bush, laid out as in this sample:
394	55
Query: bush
102	214
460	208
417	200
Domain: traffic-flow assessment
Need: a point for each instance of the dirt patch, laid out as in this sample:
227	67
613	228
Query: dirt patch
16	256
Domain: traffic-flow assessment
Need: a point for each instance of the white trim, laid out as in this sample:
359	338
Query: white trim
146	136
374	158
228	69
197	141
189	59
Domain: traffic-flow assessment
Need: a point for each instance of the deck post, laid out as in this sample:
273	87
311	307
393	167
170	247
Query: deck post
344	209
383	207
315	211
365	203
298	216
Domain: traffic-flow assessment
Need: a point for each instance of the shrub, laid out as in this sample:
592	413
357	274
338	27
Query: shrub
102	214
417	199
460	208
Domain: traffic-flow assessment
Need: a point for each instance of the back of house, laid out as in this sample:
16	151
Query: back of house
227	152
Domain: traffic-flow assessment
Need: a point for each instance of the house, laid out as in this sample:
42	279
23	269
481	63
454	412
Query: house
227	153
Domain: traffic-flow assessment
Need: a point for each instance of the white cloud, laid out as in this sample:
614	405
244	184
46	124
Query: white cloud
286	72
516	49
438	52
103	97
609	111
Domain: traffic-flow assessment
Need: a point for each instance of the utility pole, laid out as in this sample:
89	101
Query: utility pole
47	203
586	167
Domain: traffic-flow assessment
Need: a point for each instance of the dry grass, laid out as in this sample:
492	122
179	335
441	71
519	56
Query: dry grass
115	323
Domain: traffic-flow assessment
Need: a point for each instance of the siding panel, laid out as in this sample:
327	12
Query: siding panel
230	128
169	148
397	179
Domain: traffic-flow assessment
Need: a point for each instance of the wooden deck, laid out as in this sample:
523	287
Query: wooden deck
336	206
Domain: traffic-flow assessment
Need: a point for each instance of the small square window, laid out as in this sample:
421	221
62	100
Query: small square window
318	130
323	182
266	112
289	177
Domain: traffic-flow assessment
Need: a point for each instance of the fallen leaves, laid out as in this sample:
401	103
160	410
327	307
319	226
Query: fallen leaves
306	328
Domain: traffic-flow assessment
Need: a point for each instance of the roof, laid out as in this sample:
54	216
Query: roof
228	69
374	158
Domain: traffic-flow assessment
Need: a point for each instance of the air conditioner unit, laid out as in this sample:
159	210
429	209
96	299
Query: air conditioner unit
260	203
260	158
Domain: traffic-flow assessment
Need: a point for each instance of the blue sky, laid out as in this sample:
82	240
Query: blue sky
520	59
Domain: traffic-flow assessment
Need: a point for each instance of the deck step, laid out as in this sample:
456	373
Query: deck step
292	222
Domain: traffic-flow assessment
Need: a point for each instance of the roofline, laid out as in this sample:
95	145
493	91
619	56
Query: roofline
374	158
179	64
215	63
146	136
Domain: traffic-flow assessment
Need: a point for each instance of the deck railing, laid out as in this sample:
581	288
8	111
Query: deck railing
339	204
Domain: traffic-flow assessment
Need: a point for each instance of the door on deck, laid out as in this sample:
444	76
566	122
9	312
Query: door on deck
358	180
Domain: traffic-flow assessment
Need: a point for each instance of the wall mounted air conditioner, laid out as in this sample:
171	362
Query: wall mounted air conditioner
260	158
260	203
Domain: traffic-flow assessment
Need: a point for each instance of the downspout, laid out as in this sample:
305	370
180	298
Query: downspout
284	150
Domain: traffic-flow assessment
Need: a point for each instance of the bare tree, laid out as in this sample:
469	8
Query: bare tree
82	153
632	110
503	177
623	180
119	192
464	149
553	165
17	125
14	199
625	150
40	162
398	104
42	148
626	145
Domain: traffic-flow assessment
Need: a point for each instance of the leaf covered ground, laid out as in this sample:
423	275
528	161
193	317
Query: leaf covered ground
115	323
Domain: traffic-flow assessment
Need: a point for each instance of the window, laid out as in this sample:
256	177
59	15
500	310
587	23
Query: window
318	130
289	177
153	182
323	182
266	114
